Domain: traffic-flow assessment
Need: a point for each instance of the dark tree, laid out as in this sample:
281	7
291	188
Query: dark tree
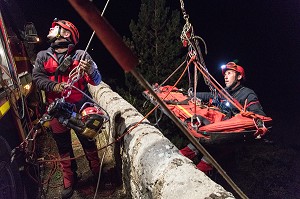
156	42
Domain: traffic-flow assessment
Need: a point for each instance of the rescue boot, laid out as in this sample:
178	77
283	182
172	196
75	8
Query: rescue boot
69	175
93	159
204	167
68	192
189	151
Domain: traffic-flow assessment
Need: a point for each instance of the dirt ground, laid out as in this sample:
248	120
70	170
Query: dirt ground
109	186
264	170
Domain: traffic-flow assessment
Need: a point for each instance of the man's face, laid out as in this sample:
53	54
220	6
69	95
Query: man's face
53	32
230	76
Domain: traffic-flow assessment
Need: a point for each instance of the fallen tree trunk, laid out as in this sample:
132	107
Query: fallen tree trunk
151	165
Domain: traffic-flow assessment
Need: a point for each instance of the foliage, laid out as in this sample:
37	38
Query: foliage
156	42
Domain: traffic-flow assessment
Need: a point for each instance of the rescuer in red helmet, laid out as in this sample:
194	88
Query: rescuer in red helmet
51	74
234	76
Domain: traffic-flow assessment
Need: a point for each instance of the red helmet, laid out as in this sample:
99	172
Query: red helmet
93	120
68	26
91	110
233	66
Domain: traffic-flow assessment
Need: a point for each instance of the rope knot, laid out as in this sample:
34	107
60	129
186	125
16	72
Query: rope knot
248	114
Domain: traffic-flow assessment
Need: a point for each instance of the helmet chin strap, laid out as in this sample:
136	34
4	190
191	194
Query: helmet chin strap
63	44
53	39
58	35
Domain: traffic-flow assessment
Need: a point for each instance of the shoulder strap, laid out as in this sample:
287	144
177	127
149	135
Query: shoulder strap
52	55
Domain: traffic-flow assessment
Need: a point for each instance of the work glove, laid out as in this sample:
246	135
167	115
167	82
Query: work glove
86	66
59	87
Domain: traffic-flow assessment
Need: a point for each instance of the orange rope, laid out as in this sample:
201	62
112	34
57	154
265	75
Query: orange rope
219	88
129	130
151	111
54	161
260	130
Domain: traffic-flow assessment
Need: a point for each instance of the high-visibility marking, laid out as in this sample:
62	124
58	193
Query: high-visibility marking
21	58
184	110
4	108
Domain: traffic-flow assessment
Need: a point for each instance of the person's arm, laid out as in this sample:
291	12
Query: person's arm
204	96
253	104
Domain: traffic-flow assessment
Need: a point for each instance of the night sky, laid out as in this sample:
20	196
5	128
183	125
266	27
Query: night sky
262	34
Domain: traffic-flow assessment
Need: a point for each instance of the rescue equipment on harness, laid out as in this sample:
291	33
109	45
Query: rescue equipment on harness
64	60
88	122
66	63
93	118
91	121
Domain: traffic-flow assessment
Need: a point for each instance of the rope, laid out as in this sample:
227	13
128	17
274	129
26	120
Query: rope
218	87
74	76
188	37
173	73
54	161
149	113
77	73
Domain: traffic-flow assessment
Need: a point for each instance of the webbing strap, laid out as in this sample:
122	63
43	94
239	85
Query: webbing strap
261	129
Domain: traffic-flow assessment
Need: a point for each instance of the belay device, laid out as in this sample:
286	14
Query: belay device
88	122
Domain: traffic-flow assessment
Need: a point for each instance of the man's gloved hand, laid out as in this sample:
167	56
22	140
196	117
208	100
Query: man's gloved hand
87	66
59	87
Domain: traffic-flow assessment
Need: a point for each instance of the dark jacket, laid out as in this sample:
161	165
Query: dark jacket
240	93
46	74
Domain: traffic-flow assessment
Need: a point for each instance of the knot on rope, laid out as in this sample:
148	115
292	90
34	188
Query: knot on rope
74	76
248	114
261	129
